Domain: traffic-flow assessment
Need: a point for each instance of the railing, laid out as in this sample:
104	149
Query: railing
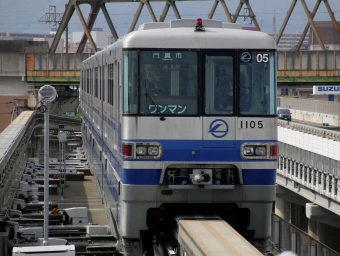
311	178
286	237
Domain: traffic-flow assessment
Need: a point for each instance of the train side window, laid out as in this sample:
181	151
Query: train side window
96	82
87	81
110	84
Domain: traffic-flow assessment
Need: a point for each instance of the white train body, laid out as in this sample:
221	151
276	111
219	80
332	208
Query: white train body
166	134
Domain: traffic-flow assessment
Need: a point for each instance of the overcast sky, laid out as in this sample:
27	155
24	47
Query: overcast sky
24	15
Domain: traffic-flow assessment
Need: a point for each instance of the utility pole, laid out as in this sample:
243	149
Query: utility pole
53	17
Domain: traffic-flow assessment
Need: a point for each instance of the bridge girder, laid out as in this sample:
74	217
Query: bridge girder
97	5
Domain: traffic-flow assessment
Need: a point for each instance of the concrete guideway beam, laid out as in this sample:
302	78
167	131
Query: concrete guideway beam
320	214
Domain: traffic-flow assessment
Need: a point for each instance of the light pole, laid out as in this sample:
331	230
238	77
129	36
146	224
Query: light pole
47	94
62	136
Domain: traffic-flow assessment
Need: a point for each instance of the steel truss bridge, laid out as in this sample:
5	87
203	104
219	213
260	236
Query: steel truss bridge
100	5
303	67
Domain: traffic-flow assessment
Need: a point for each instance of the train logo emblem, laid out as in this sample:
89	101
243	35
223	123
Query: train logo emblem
245	57
218	128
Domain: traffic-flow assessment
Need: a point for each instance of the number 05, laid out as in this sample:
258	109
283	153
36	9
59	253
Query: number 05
262	57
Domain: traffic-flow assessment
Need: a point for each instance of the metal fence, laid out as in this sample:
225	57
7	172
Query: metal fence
286	237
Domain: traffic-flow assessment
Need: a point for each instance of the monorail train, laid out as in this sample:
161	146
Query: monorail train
179	119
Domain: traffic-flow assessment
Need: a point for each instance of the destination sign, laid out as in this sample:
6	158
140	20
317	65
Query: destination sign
162	57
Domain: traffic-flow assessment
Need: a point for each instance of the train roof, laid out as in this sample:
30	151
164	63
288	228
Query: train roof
182	34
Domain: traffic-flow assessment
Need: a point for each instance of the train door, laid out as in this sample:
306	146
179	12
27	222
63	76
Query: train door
219	126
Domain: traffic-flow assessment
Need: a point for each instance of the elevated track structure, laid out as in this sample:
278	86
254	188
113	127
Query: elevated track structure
303	67
313	180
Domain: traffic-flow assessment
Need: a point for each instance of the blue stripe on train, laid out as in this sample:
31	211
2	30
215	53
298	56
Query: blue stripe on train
259	177
141	177
151	177
182	150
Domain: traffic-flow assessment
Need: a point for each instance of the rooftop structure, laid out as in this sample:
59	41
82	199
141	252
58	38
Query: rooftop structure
329	35
23	36
289	41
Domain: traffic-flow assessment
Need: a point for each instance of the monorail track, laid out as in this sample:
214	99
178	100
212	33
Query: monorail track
204	235
212	237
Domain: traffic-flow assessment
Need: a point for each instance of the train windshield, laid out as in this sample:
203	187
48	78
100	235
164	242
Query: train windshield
219	84
165	82
160	82
249	89
257	83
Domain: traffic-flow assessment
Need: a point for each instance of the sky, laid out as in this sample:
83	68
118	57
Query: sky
24	15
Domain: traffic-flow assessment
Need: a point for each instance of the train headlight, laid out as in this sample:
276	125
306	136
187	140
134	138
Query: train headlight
259	150
140	150
248	151
147	150
153	150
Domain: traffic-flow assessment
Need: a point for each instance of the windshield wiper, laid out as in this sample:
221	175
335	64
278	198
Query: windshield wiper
162	118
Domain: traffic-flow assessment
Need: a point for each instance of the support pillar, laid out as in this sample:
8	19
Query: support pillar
4	243
328	234
282	209
325	234
299	218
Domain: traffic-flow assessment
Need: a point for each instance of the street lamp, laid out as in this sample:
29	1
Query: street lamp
46	95
62	137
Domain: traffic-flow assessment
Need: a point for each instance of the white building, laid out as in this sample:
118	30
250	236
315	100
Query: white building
100	37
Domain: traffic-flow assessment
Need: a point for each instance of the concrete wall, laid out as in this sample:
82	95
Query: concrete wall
22	46
13	86
316	118
6	109
12	64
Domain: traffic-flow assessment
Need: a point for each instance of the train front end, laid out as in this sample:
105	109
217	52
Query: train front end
198	129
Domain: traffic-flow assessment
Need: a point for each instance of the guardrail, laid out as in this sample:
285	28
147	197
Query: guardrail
287	237
14	140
